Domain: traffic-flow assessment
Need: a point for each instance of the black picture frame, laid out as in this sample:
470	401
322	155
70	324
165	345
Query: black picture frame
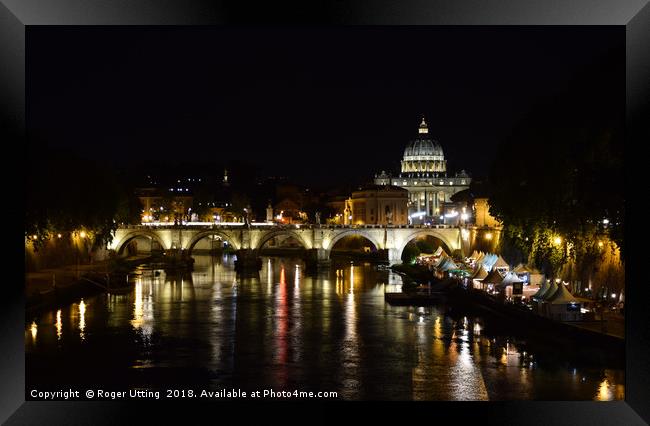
16	16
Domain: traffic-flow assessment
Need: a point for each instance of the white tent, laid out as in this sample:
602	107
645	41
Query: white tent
510	278
479	274
441	259
534	276
562	296
550	292
489	260
562	306
501	263
494	277
439	251
525	269
542	290
448	265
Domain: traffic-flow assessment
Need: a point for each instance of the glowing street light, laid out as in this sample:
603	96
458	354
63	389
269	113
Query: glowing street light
557	241
82	234
488	236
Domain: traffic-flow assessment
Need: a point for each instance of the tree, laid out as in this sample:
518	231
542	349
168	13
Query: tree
67	193
424	246
410	253
561	192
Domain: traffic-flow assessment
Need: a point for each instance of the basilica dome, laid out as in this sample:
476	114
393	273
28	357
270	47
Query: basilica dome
423	155
423	147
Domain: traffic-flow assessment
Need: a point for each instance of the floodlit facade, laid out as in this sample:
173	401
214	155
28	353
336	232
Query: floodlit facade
379	205
424	175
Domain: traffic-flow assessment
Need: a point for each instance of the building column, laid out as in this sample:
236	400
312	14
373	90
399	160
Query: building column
426	201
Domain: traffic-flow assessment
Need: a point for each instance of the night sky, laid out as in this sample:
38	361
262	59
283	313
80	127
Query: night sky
320	105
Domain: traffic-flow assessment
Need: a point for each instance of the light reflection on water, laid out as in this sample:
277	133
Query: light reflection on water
59	325
82	319
290	330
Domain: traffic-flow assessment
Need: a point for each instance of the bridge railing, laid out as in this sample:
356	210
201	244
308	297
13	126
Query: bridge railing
293	226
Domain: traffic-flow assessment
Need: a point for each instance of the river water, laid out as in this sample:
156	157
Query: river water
286	330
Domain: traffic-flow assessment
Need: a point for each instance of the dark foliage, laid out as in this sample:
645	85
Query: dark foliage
67	194
561	172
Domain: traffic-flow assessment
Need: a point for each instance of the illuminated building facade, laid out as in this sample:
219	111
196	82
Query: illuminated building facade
424	175
379	205
157	205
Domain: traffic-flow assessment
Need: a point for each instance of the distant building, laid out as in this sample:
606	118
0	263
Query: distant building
424	175
379	205
337	204
288	210
159	205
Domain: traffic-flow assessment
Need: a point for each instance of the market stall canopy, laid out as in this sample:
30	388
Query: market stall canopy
479	274
523	269
441	259
510	278
447	265
439	251
550	292
488	261
562	296
494	277
542	290
474	255
501	263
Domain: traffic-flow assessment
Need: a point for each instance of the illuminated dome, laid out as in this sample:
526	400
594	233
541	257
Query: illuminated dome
423	155
419	148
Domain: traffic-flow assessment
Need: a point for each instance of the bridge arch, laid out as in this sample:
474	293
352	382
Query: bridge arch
126	239
223	235
272	234
367	235
449	245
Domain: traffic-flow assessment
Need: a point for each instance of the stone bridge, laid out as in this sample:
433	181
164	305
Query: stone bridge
318	240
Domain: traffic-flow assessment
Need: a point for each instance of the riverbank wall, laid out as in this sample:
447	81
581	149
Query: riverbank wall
58	286
523	321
